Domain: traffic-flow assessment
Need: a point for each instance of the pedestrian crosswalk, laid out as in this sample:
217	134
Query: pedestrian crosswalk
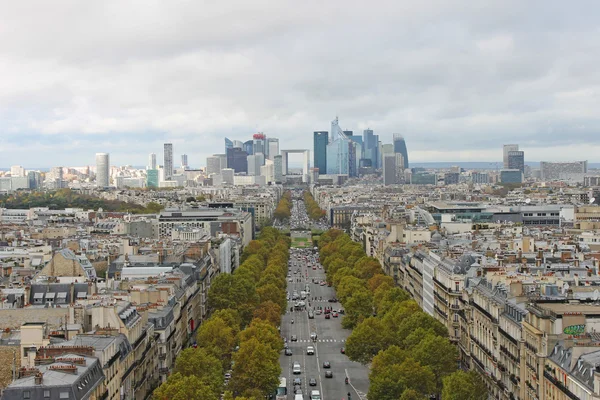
320	340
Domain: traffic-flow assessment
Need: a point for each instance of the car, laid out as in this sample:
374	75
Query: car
294	338
334	314
310	351
288	352
327	316
319	312
343	350
326	364
311	315
290	280
297	381
312	382
322	283
329	374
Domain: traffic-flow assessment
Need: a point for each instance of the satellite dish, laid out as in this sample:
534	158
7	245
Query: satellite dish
527	201
592	200
596	295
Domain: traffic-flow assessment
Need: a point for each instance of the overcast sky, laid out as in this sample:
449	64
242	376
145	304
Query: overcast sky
457	78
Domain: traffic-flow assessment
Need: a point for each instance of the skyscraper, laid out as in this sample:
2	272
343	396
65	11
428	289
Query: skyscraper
249	147
278	168
228	144
102	170
184	161
321	140
213	165
237	159
389	169
341	152
371	147
516	160
259	144
400	147
255	161
168	161
272	147
152	161
506	149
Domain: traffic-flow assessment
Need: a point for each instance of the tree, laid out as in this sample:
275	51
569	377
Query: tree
358	307
464	386
366	340
379	280
179	387
367	267
383	359
269	312
348	286
231	317
411	394
199	363
391	382
385	298
265	332
437	353
256	367
270	292
219	294
218	338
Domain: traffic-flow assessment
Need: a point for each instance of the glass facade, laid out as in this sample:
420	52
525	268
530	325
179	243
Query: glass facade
400	147
321	140
338	157
152	178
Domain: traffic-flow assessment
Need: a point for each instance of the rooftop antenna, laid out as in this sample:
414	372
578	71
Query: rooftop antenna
596	295
527	201
592	200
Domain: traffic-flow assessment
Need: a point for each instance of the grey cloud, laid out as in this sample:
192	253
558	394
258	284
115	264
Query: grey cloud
124	76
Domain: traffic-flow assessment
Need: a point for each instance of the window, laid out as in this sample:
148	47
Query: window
46	394
64	395
26	394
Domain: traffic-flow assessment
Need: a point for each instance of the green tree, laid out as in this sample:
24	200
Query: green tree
366	340
380	280
220	293
437	353
348	286
464	386
367	267
269	312
256	367
411	394
179	387
357	308
231	317
203	365
270	292
265	332
391	382
218	338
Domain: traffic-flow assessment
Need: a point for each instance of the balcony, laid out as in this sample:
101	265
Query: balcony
162	356
560	385
455	306
163	371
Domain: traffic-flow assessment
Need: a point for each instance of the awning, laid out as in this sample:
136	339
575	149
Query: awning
81	295
38	296
62	295
50	295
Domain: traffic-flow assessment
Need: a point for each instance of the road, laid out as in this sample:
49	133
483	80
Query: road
330	339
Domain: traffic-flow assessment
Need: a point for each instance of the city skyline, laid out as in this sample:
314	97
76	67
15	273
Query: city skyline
481	78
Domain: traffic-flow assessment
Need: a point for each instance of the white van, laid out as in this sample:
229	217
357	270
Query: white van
296	368
298	396
315	395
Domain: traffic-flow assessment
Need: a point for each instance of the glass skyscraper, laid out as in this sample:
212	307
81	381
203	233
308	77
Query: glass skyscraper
168	161
321	140
371	147
400	147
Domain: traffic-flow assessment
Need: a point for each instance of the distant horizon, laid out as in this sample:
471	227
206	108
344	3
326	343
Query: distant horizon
425	164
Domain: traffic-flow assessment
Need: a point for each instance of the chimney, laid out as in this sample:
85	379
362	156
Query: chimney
39	378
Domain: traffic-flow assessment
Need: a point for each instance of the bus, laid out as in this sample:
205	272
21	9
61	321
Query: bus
281	393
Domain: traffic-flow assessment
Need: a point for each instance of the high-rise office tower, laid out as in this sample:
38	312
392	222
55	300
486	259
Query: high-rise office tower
102	170
259	144
228	144
389	169
168	161
516	160
321	140
213	164
272	147
371	147
152	161
400	147
255	161
506	149
17	171
237	160
184	161
341	152
278	168
249	147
